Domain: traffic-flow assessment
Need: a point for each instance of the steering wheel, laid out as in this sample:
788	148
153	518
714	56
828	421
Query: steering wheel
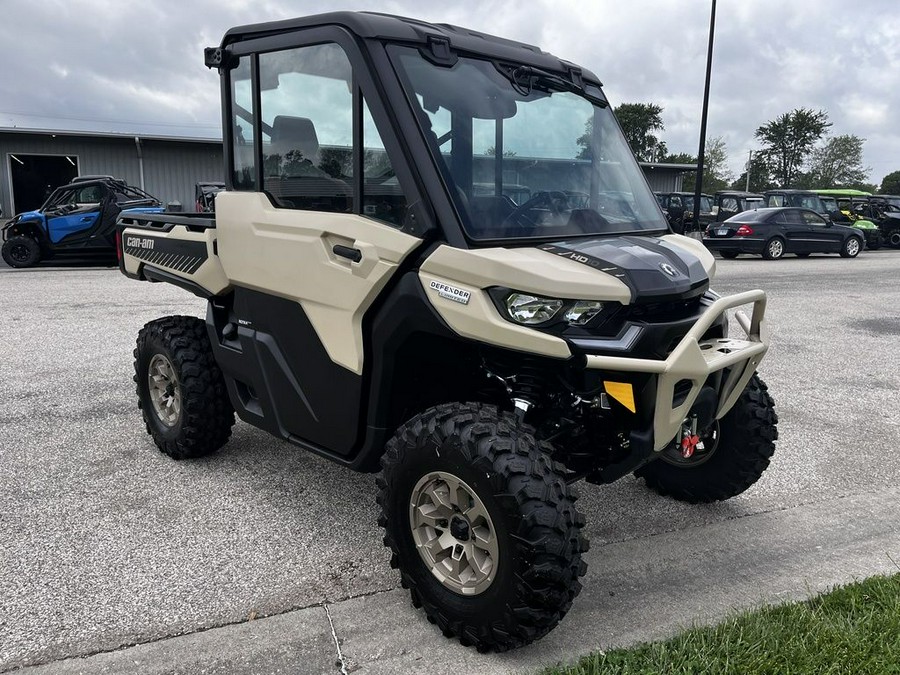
555	201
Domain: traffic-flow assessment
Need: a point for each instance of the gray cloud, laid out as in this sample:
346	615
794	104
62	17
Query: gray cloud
138	67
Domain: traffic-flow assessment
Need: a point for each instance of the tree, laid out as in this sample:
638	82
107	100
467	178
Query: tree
638	122
890	184
716	174
789	139
760	175
837	163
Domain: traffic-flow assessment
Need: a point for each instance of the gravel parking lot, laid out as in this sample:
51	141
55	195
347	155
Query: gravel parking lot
105	542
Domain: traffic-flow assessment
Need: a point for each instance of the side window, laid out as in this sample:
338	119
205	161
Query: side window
307	128
90	195
775	200
382	197
242	122
793	218
62	198
675	202
813	219
730	204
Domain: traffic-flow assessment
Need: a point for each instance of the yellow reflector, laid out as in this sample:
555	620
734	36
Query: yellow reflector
622	392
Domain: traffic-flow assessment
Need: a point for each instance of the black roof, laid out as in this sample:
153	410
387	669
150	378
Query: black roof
377	26
790	191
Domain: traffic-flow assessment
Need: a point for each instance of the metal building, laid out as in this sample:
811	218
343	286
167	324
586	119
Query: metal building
35	161
666	177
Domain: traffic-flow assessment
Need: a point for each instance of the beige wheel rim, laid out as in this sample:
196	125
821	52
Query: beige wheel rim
453	533
164	389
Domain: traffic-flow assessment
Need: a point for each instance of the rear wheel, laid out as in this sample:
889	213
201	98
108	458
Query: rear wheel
774	249
893	238
729	255
736	451
181	391
851	247
481	524
21	251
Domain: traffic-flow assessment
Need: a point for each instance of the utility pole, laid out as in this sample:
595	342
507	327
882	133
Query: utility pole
699	189
749	162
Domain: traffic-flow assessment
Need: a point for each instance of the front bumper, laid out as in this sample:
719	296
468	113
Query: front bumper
694	359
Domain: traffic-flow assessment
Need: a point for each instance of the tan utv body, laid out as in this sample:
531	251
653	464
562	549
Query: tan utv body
437	258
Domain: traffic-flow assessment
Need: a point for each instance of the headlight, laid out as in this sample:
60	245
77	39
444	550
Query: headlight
583	311
534	310
531	309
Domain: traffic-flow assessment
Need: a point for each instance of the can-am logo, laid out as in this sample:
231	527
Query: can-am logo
451	292
668	269
139	242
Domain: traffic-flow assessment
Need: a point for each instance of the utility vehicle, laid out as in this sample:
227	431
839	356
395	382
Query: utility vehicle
78	219
679	209
375	295
727	203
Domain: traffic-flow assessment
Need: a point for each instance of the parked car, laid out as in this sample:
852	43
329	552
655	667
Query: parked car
727	203
850	207
772	232
679	209
205	195
78	218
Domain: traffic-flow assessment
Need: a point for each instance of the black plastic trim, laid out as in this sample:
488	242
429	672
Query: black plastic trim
156	274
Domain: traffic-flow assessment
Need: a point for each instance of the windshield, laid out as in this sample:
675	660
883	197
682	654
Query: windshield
830	203
808	202
705	203
524	154
752	203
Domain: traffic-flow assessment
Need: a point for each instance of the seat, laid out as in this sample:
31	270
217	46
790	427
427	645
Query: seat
297	180
294	138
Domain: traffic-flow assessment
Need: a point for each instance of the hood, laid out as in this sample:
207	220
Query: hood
652	268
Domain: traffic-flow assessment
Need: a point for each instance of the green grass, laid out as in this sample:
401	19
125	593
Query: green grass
854	629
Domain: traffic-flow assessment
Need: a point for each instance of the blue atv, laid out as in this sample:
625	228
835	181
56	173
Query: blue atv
78	219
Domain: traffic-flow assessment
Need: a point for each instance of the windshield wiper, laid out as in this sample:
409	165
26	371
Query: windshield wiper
545	80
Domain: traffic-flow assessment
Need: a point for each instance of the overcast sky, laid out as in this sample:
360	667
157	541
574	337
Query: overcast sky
137	67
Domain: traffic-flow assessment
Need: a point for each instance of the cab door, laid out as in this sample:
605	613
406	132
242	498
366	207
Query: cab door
75	211
317	227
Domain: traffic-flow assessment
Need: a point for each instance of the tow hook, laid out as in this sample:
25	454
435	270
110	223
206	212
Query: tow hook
690	441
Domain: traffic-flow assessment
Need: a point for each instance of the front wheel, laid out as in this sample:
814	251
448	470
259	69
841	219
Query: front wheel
893	238
736	451
181	391
851	248
481	524
21	251
774	249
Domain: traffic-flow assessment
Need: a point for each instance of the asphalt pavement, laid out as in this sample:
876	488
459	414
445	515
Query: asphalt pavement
264	558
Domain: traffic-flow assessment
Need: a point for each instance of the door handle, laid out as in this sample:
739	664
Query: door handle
86	219
352	254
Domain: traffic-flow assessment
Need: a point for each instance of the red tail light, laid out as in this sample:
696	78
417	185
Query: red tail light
119	245
744	231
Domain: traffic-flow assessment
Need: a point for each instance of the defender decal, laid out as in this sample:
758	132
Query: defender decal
451	292
179	256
